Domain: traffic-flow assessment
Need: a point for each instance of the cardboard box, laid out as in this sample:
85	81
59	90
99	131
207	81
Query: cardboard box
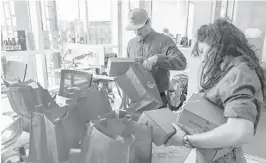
161	121
201	115
119	66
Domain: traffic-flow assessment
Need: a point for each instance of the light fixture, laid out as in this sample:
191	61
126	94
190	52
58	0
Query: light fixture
252	33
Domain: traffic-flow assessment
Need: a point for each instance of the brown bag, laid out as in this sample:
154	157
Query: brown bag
74	128
67	120
43	96
47	142
94	104
24	97
117	141
138	84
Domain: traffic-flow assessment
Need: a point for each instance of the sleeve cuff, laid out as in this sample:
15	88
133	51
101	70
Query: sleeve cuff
241	112
161	58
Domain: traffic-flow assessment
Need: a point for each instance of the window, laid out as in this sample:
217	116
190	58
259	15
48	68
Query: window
171	15
227	9
8	18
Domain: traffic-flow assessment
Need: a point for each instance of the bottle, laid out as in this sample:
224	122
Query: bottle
9	42
2	41
9	45
22	42
4	45
18	45
22	39
14	43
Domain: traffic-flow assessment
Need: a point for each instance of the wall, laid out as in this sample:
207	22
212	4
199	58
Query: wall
264	51
251	14
202	14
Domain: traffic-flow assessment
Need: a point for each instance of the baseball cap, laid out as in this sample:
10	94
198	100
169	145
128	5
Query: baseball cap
137	19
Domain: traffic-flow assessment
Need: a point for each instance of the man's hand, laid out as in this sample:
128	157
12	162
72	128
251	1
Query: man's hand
139	59
177	138
150	62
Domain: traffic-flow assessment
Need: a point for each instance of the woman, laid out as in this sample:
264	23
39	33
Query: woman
232	78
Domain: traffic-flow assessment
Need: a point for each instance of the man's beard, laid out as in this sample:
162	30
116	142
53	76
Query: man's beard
140	38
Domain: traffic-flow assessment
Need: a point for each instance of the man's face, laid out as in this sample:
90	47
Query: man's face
204	50
142	32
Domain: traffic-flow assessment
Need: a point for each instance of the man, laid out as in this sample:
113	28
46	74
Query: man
156	51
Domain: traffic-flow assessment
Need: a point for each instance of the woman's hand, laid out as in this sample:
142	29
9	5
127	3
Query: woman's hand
177	138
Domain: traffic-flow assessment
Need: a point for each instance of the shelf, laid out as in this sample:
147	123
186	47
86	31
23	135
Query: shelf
26	53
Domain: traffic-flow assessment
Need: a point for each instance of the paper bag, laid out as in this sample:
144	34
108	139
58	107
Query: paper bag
24	97
139	84
117	141
119	66
94	104
43	96
74	128
45	146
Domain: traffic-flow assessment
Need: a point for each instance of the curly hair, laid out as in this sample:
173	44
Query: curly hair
224	39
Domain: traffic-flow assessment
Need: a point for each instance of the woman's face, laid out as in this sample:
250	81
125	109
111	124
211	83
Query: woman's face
203	49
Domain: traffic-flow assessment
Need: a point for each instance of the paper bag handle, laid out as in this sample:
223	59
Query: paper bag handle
127	118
